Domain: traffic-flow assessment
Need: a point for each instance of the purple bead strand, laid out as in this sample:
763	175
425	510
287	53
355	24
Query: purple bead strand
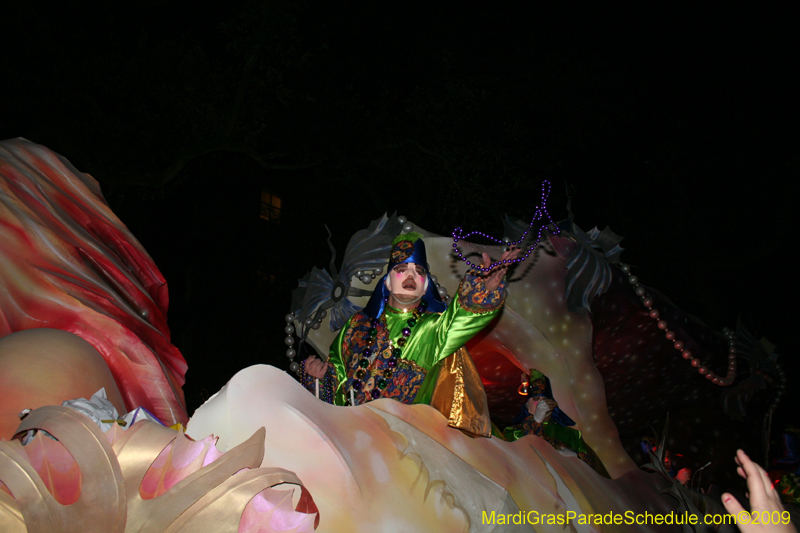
539	214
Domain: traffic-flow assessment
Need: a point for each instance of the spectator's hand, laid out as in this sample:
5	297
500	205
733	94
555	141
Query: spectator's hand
315	367
764	500
684	476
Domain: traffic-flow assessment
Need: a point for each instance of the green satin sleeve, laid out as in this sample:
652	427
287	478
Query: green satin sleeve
437	335
434	337
443	335
511	433
335	360
457	326
570	437
472	310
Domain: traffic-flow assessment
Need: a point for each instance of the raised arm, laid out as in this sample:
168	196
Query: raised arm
480	297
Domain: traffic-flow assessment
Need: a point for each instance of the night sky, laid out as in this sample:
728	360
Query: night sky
674	125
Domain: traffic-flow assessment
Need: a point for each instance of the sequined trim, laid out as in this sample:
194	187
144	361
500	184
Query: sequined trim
402	251
327	385
407	377
474	297
412	365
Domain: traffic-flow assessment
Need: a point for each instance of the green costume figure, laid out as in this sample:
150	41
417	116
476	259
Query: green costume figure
541	416
407	344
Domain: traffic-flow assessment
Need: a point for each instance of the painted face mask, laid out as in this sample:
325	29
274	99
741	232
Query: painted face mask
407	282
407	278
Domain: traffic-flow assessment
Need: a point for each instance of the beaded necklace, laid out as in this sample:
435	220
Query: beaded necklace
361	375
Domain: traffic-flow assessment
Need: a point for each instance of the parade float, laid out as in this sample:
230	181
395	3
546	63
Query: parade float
83	308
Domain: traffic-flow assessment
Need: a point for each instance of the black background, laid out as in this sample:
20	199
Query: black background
674	125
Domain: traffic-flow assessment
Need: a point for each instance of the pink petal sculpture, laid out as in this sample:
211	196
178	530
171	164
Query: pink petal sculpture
69	264
151	478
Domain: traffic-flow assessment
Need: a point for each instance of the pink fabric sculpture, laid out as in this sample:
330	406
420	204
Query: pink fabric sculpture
68	263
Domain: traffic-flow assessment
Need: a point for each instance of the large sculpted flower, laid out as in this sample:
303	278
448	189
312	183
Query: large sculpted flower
72	477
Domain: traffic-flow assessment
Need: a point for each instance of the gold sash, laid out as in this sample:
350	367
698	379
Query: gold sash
460	397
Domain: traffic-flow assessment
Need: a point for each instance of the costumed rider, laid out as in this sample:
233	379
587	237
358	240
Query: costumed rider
408	345
542	417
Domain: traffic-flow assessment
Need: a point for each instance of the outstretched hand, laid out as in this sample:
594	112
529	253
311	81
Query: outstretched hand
495	276
315	367
764	501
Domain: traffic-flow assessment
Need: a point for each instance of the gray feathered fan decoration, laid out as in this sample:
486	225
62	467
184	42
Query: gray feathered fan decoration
321	290
589	266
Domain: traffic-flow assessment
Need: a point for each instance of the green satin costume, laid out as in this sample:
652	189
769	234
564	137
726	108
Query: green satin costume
434	337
